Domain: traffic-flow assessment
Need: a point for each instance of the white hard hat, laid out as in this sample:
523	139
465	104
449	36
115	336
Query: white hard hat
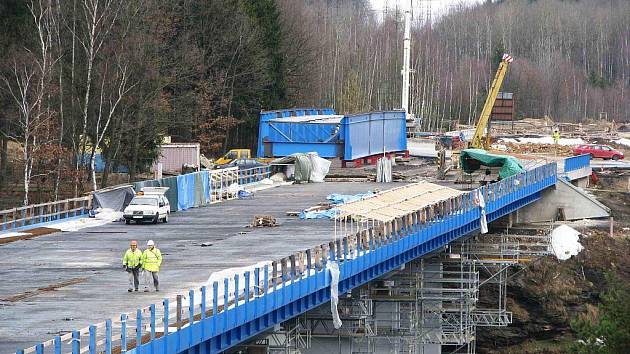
150	243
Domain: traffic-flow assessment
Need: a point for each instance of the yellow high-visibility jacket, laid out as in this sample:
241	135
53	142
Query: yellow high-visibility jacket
131	258
151	259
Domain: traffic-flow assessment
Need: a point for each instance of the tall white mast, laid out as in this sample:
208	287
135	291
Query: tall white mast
406	70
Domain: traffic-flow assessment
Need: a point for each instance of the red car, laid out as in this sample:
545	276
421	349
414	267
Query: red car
595	150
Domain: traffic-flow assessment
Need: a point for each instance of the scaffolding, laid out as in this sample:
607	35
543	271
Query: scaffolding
431	305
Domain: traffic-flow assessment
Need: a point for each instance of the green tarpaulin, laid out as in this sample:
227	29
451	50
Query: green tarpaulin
472	159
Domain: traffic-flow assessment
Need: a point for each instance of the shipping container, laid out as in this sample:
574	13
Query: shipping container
174	156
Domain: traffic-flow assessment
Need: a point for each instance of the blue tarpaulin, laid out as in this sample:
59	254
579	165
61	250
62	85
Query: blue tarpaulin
205	180
345	198
319	214
186	191
335	199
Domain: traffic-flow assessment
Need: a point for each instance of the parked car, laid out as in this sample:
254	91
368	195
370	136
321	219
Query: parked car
149	205
600	151
242	164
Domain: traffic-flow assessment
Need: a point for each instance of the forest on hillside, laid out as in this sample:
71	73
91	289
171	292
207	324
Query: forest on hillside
79	76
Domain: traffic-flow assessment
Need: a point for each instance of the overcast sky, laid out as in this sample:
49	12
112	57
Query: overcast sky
437	6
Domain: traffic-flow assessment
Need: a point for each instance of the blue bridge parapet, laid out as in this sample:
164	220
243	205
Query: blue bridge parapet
577	162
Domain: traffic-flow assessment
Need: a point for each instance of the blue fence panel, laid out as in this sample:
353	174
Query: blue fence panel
205	178
577	162
186	191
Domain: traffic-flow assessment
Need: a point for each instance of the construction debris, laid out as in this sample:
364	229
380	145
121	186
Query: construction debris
531	148
264	221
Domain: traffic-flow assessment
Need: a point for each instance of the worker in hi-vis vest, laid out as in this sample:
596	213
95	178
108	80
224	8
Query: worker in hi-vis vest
151	261
132	264
556	136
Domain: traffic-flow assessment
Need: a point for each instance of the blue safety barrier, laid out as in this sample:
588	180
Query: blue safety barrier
577	162
42	214
186	191
282	290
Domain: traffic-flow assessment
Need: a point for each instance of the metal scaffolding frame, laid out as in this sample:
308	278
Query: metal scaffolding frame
429	306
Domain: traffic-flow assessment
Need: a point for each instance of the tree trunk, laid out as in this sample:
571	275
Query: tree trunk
4	157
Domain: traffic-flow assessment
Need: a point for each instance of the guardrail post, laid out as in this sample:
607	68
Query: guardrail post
76	342
246	275
236	297
138	329
178	316
39	348
166	314
191	315
203	312
215	305
152	319
57	343
123	333
226	302
92	339
108	337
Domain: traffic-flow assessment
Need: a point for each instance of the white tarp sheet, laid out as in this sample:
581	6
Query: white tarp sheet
483	222
333	267
320	167
622	141
565	242
103	217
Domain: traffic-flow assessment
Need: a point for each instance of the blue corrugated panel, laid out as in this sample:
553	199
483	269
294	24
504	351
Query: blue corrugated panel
374	133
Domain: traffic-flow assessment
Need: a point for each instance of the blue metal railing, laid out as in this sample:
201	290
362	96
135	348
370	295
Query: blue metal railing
16	218
253	175
254	300
577	162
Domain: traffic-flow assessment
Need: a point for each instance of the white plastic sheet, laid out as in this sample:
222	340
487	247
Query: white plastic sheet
102	217
320	167
565	242
333	267
483	223
622	141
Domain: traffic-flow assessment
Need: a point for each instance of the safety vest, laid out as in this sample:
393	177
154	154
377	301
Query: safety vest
132	258
152	259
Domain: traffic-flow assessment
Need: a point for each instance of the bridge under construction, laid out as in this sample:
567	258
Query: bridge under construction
404	267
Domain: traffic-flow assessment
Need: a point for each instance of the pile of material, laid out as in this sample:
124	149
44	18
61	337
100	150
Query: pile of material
529	148
543	140
471	160
308	167
264	221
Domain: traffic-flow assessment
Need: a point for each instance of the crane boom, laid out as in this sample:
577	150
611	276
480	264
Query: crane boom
477	141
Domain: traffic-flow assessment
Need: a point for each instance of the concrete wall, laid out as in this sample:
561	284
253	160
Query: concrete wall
576	204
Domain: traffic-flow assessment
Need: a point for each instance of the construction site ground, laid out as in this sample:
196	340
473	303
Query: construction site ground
60	282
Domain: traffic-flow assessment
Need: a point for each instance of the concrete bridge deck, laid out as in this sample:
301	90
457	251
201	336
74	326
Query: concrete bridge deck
89	260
